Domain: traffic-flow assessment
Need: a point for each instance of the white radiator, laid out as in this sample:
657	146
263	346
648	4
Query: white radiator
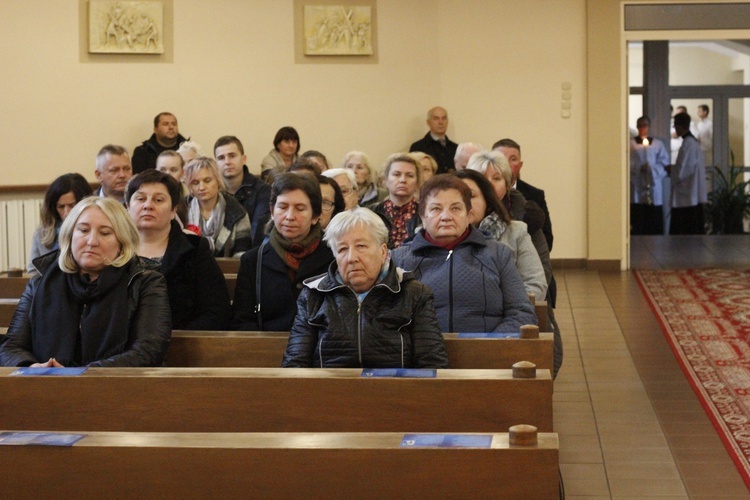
18	221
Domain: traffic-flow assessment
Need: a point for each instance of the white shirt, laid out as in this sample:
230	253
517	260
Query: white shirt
657	157
689	175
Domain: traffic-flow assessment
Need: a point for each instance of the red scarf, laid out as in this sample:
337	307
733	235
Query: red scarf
449	245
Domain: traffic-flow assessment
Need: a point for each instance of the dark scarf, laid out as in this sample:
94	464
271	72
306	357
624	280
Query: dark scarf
294	253
77	321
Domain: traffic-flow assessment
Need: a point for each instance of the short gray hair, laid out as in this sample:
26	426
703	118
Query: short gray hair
190	146
365	161
483	160
335	172
122	225
109	149
346	221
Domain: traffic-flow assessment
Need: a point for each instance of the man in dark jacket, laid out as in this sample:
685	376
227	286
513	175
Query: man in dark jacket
435	143
512	151
249	190
166	136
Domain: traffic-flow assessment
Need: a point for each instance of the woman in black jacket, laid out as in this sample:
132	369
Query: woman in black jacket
270	276
197	289
93	303
365	312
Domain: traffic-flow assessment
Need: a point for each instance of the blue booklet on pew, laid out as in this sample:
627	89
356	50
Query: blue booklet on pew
59	372
446	441
39	439
490	335
399	372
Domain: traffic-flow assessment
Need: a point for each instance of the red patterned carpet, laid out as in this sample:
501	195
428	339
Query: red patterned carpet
705	315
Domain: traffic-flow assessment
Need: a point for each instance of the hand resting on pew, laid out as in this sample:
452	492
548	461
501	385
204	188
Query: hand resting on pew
93	303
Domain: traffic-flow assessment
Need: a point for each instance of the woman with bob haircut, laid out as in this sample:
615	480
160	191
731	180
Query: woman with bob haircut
60	198
198	295
365	312
270	276
213	212
403	176
490	216
427	163
496	168
368	190
93	302
284	153
476	284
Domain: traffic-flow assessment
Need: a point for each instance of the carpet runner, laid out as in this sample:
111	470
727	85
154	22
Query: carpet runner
705	315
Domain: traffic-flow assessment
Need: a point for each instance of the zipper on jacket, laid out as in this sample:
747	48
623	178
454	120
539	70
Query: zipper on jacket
359	330
320	351
450	292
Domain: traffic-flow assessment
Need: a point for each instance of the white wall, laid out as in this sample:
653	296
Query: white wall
497	66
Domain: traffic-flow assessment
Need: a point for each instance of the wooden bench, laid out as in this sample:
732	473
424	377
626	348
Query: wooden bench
294	465
12	288
274	400
228	265
266	349
7	309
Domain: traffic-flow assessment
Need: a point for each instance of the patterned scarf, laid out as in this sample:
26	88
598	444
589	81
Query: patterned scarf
293	253
400	217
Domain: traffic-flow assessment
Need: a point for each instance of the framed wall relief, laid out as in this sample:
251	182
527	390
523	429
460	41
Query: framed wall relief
335	32
126	27
342	30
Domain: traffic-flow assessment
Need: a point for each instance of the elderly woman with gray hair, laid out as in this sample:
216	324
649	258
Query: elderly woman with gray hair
93	303
365	312
496	168
368	190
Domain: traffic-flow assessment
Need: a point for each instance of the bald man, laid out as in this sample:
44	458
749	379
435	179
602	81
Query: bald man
436	143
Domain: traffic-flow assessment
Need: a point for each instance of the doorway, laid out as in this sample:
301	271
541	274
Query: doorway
710	79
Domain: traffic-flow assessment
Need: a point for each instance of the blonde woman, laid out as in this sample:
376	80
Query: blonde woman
368	190
213	213
93	303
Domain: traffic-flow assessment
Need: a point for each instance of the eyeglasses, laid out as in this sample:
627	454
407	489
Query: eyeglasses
328	205
347	192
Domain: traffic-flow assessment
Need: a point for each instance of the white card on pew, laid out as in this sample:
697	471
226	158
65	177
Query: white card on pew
399	372
45	371
489	335
446	441
39	439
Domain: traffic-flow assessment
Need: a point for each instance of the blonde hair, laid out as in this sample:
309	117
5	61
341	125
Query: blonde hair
203	162
419	156
405	158
122	225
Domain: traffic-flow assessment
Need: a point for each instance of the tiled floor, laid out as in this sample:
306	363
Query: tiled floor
630	425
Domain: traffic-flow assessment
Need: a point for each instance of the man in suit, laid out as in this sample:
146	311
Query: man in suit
512	151
435	143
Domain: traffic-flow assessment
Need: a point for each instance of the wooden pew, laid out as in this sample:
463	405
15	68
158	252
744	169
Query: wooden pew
228	265
294	465
12	288
266	349
274	400
7	309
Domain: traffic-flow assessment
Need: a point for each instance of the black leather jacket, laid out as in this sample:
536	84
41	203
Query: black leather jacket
393	327
150	325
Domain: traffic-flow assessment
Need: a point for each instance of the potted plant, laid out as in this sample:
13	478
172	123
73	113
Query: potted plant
729	202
